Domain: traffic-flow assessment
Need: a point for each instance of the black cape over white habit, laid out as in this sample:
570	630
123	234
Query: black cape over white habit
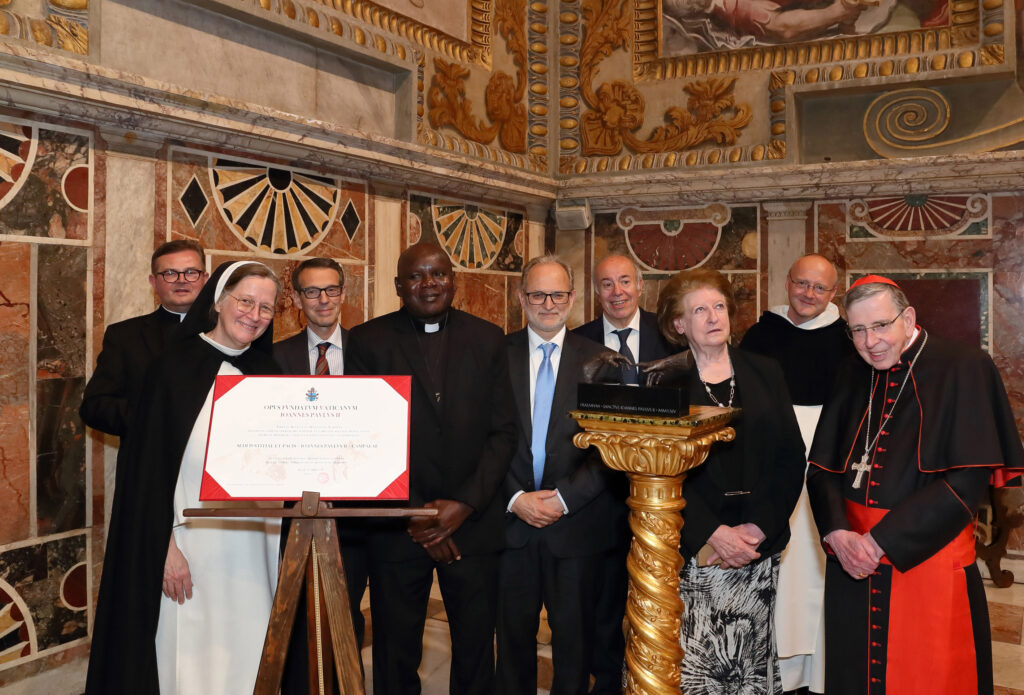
123	656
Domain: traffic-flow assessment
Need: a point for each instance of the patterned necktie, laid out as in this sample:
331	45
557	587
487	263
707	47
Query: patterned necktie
322	367
543	394
629	375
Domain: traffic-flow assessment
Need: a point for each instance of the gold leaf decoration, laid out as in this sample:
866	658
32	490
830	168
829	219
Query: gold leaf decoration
72	36
617	108
503	95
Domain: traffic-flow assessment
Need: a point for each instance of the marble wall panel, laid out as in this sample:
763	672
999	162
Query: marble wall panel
45	188
485	295
15	338
44	585
232	203
663	241
60	374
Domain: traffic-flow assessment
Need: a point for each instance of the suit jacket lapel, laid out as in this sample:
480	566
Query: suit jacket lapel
519	369
565	385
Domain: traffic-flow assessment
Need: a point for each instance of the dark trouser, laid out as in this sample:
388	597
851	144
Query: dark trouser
401	590
296	664
609	650
530	576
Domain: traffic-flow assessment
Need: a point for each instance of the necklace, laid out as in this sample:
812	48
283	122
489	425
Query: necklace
863	466
732	389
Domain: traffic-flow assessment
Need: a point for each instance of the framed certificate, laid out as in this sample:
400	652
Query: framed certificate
274	437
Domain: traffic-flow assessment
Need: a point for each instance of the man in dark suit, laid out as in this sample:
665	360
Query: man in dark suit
178	273
633	332
318	288
461	439
559	508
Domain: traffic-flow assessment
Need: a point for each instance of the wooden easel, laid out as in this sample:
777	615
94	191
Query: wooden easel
312	554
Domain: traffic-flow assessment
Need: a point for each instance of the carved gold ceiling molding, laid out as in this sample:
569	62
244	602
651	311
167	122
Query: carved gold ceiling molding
518	130
336	17
64	26
915	122
974	37
604	136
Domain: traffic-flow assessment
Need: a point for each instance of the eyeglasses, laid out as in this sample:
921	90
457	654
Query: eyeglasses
804	285
314	292
246	305
541	297
190	274
861	332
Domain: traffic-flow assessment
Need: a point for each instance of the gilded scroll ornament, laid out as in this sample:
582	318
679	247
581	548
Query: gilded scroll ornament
617	107
71	36
503	95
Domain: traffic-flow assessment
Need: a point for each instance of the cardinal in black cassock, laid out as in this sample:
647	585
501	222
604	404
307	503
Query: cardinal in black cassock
914	431
123	658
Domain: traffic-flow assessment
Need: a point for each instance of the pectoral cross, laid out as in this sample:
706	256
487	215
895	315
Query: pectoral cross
862	467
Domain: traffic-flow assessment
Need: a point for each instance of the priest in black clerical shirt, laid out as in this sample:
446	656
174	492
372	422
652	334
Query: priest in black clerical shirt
178	273
808	338
462	437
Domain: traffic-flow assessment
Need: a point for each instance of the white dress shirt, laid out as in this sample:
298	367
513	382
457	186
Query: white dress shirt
611	341
534	342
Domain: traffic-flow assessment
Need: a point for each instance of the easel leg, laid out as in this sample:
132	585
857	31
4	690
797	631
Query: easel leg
282	615
339	614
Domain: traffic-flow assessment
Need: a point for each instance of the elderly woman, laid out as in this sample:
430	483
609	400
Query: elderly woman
217	577
736	520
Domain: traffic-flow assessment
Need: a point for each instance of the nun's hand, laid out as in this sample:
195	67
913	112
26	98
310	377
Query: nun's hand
667	369
177	578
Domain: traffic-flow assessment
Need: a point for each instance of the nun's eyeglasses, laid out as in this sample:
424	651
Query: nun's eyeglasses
246	305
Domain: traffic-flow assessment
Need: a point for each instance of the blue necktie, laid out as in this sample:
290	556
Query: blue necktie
543	394
629	374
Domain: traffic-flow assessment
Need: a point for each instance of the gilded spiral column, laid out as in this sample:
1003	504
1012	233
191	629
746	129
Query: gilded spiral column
655	453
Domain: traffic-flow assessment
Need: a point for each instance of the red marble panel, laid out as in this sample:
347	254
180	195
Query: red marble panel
516	319
484	295
15	277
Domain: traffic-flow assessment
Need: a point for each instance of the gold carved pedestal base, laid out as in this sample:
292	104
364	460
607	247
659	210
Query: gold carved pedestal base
655	453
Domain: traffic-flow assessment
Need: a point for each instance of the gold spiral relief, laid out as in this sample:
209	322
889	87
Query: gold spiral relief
908	116
656	462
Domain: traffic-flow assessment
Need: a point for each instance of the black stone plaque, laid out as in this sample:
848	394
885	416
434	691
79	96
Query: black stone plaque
633	400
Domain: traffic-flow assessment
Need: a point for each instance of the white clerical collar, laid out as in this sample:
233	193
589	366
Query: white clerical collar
181	317
431	327
312	339
634	323
234	352
826	318
536	341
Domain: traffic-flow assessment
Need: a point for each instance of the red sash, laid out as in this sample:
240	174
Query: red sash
931	642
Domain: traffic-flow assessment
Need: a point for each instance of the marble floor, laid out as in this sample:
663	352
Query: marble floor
1006	610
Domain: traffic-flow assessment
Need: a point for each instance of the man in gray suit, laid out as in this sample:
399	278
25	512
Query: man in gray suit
318	287
559	509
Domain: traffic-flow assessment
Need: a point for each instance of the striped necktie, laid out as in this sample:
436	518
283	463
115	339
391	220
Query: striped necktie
322	368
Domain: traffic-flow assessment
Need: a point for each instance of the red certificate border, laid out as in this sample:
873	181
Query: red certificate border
398	489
